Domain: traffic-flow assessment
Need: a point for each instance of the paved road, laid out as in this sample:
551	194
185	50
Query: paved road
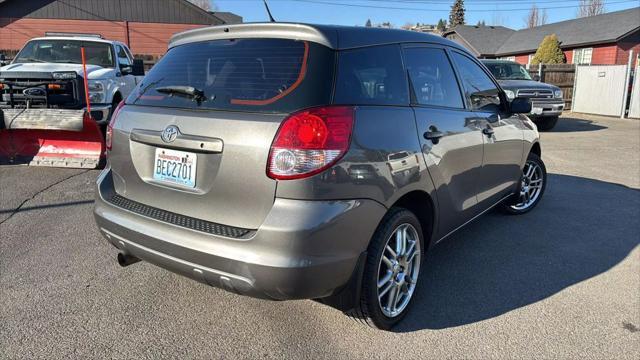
562	281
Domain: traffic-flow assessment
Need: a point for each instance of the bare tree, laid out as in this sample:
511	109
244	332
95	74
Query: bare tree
535	17
206	5
591	8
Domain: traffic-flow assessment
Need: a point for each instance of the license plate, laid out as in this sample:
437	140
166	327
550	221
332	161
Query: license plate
175	167
536	111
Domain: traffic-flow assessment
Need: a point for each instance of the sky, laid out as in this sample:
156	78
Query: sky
510	13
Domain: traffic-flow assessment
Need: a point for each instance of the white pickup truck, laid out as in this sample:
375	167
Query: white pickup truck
45	81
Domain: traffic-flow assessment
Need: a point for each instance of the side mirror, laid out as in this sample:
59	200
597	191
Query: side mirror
3	60
138	67
520	106
126	69
536	77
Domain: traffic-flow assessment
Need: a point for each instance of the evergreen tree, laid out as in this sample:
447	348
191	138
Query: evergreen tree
549	51
442	25
368	24
456	16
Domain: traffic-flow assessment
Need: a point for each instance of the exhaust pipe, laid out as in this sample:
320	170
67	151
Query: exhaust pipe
126	260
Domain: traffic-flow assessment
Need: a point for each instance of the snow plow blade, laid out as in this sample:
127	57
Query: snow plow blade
50	137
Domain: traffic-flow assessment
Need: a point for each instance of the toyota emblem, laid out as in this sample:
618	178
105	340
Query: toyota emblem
170	133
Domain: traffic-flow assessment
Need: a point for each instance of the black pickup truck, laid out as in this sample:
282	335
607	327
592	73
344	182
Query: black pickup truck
546	100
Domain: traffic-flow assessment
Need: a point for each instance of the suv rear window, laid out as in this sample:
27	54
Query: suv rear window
273	75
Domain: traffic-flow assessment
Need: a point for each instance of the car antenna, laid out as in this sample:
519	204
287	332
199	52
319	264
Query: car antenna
268	11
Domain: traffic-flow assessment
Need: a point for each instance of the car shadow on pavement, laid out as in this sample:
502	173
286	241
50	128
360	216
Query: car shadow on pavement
499	263
569	124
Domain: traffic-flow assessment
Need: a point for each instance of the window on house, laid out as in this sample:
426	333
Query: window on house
582	56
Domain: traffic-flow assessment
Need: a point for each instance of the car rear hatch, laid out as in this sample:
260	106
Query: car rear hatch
194	138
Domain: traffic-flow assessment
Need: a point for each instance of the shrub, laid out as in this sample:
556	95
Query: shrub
549	51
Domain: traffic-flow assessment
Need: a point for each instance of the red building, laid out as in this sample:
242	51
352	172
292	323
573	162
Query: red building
145	25
605	39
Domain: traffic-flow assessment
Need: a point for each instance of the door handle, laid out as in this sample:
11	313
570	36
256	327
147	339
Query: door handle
433	134
488	131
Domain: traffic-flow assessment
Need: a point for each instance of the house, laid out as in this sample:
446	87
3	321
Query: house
144	25
425	28
603	39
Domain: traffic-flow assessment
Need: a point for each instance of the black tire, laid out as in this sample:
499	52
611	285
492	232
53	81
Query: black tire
368	309
510	205
546	123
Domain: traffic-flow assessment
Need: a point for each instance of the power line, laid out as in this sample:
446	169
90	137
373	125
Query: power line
322	2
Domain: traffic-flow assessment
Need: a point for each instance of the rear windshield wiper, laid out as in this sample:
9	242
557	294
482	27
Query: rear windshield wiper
189	91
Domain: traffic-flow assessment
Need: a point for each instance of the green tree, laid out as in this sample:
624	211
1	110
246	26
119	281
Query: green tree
549	51
368	24
442	25
456	16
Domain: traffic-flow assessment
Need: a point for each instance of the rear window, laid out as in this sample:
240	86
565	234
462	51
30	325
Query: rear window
372	76
273	75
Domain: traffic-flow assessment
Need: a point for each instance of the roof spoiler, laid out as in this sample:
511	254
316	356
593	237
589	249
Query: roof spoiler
256	30
51	33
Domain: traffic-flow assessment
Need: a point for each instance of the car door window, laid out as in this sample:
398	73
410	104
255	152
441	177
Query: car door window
432	78
123	59
481	91
129	55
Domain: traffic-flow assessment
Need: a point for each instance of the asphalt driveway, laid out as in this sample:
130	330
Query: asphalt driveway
562	281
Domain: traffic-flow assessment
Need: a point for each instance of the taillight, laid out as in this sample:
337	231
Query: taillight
310	141
112	122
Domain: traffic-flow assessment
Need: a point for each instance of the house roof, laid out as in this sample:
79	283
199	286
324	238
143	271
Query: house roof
228	17
150	11
483	39
600	29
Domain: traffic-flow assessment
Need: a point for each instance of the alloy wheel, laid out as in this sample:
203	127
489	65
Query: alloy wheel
530	186
398	270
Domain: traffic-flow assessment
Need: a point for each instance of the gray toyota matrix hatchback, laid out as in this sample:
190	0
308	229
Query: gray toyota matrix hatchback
290	161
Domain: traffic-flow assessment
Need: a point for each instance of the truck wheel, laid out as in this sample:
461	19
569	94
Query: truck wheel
391	271
546	123
532	186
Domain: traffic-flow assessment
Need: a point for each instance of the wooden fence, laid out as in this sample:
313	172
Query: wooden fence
560	75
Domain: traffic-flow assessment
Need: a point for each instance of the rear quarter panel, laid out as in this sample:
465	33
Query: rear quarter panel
366	172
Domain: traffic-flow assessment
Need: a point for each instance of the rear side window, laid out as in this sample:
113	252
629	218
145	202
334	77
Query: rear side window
432	78
478	86
371	76
274	75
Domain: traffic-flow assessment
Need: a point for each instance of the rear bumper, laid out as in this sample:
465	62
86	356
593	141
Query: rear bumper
547	107
304	249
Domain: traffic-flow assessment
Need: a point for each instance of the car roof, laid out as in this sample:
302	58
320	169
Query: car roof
333	36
